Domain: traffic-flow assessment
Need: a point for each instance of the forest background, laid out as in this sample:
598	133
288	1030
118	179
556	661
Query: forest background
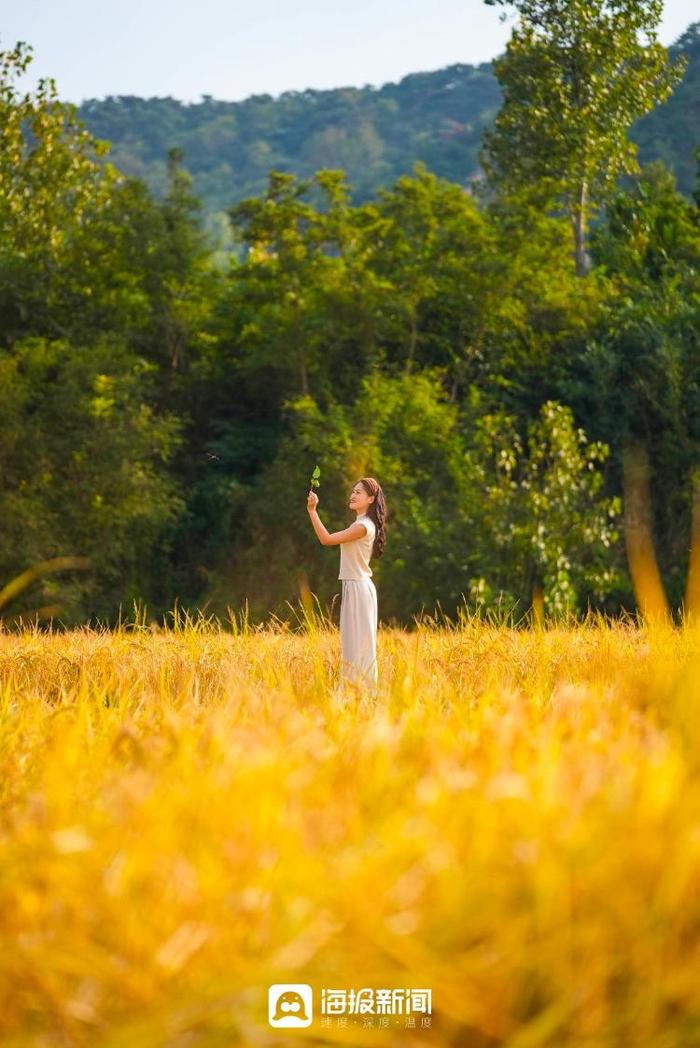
418	282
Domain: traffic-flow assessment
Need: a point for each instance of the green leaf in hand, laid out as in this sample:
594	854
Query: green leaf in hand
315	482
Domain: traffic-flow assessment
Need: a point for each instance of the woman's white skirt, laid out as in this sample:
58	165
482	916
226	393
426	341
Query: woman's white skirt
358	631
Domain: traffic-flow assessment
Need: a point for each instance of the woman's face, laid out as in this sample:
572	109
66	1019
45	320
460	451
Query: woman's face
359	499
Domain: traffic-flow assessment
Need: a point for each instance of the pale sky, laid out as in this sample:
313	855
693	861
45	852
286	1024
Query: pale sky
235	48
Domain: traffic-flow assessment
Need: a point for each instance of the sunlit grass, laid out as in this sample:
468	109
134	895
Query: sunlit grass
190	815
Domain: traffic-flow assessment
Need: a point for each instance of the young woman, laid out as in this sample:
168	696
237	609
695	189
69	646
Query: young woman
359	542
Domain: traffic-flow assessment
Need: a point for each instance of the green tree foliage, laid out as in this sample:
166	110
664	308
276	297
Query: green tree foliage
85	453
575	76
643	361
84	249
162	408
51	177
421	276
551	527
83	457
374	134
475	513
287	267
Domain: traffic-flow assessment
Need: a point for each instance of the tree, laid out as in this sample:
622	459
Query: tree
474	510
551	531
177	278
424	228
642	364
280	250
83	470
51	178
575	76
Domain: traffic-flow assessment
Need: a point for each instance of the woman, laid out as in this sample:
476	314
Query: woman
364	539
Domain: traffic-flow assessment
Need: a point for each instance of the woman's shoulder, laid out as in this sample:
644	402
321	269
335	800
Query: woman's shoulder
364	519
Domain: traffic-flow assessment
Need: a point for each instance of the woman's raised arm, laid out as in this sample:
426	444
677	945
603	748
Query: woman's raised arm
334	538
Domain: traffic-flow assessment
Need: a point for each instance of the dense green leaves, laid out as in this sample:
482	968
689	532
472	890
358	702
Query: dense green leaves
375	134
476	513
83	469
644	359
162	407
575	76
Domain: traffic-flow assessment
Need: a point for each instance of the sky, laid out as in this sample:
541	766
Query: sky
231	49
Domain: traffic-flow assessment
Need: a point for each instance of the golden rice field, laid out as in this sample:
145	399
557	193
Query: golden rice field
190	815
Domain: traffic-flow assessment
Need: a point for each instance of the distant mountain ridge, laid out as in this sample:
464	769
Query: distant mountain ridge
375	134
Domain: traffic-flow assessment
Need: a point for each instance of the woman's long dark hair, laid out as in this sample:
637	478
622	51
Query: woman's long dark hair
377	512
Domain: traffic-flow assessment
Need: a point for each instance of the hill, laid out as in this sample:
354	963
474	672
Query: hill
671	132
375	134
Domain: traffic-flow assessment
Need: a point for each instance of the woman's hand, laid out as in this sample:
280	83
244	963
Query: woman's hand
312	501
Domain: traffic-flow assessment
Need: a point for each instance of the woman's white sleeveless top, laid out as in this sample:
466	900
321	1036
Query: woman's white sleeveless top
355	555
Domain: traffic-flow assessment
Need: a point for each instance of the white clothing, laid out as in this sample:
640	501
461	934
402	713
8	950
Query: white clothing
358	609
358	631
355	555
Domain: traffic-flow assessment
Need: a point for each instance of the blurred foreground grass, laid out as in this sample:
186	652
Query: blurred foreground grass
190	815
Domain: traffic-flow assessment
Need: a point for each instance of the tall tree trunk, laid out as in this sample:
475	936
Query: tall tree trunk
578	218
639	541
691	601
